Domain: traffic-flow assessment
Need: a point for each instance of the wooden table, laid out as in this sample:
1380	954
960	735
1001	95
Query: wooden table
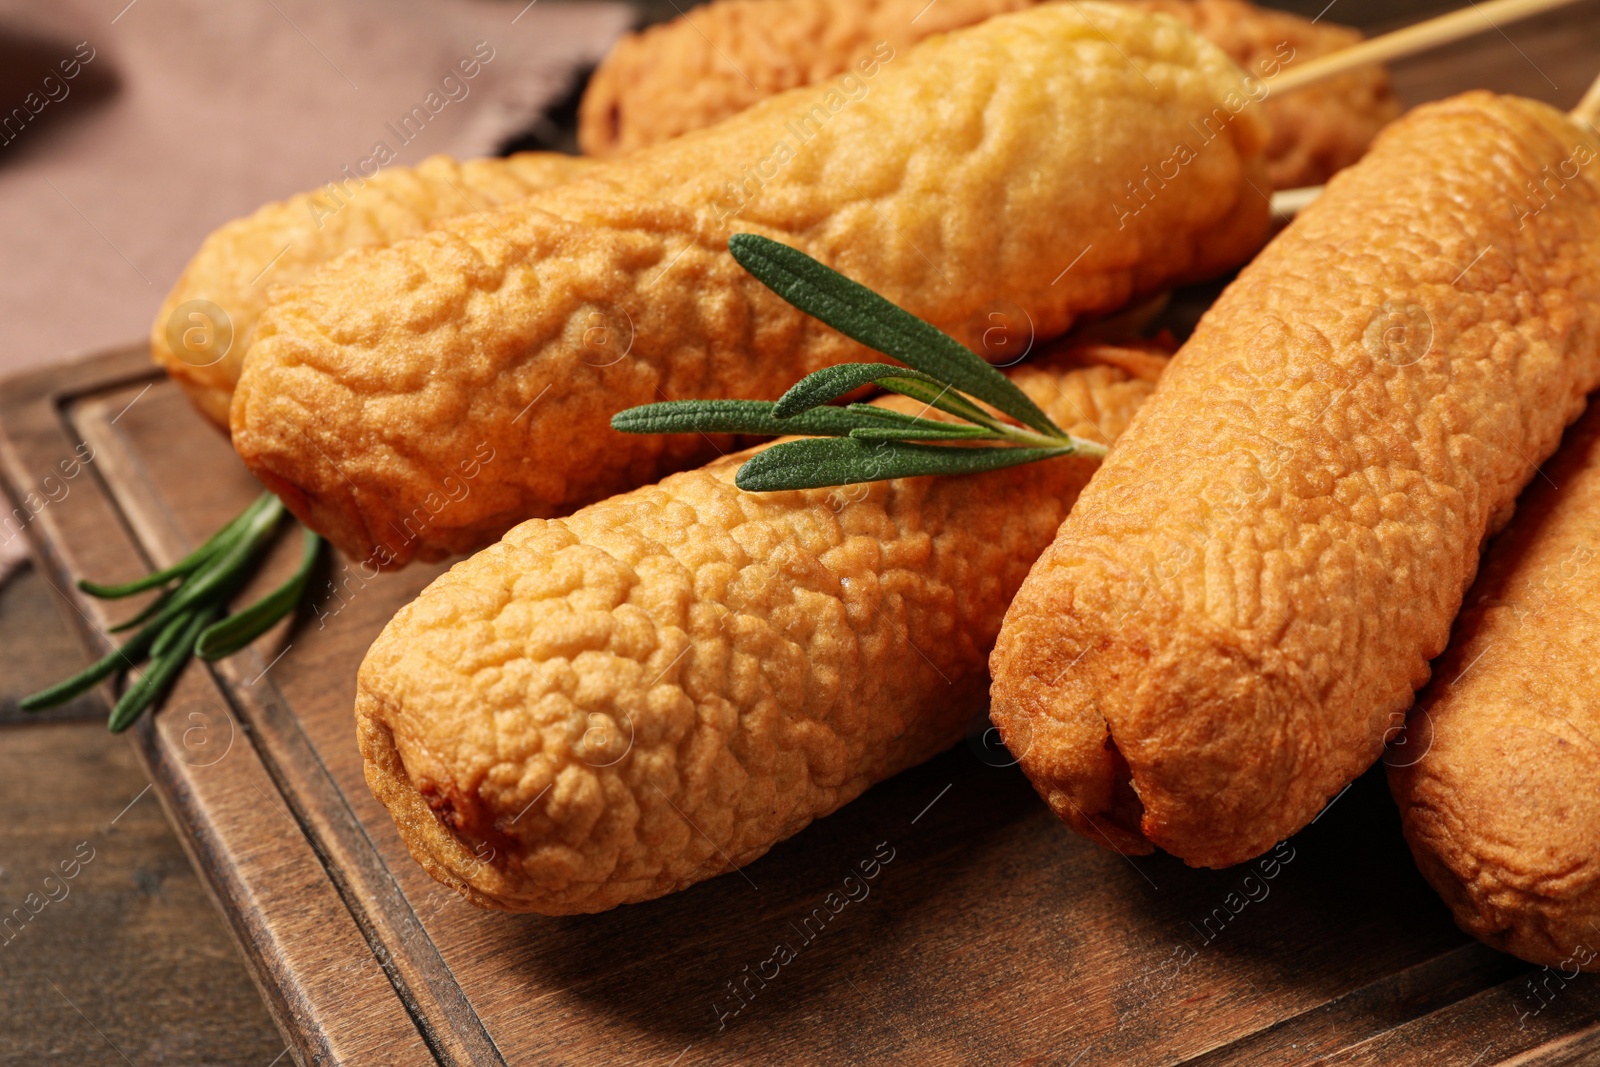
991	936
135	960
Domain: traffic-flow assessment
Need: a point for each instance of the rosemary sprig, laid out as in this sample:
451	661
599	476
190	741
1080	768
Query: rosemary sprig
186	619
860	442
839	445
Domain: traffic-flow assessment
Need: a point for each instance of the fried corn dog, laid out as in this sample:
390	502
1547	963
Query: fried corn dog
1248	594
282	243
502	343
702	67
605	708
1498	782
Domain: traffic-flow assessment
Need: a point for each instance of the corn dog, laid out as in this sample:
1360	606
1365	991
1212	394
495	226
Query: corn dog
705	66
503	342
1498	782
282	243
1251	589
605	708
1315	131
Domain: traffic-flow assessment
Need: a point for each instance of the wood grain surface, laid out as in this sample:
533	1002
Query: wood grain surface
989	935
128	957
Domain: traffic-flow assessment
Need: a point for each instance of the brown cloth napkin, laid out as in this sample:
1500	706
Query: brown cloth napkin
128	131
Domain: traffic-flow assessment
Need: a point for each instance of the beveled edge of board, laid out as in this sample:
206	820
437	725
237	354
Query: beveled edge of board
313	1006
399	942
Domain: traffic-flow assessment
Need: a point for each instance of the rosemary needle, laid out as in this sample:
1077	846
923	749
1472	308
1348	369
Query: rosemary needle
239	629
188	616
184	566
163	668
859	442
218	572
205	560
118	658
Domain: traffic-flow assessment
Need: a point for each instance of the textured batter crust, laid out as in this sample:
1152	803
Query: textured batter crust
608	707
283	242
984	170
1249	592
720	59
1498	782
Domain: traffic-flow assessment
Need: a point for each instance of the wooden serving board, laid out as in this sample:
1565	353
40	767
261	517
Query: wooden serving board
987	933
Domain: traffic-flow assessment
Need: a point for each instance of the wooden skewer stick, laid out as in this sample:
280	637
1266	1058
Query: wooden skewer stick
1287	203
1588	109
1424	35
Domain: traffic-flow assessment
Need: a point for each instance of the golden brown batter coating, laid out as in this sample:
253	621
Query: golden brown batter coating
1499	780
504	342
1252	587
283	242
608	707
720	59
1319	130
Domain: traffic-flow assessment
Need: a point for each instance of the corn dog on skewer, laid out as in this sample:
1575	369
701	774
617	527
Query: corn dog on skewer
604	708
517	334
283	242
1498	782
705	66
1319	129
1250	591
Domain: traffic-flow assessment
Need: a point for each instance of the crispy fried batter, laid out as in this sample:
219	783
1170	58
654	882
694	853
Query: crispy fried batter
504	342
1498	781
283	242
1252	587
608	707
720	59
1318	130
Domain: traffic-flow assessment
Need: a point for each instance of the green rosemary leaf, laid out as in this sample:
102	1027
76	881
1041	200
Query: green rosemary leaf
859	313
732	416
830	383
151	609
184	566
68	688
117	659
815	462
942	397
170	632
175	623
934	431
177	638
82	682
890	417
239	629
262	514
149	581
223	572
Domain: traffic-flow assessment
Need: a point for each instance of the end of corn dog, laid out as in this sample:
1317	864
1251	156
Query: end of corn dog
605	708
699	69
1238	611
418	400
208	320
1498	781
